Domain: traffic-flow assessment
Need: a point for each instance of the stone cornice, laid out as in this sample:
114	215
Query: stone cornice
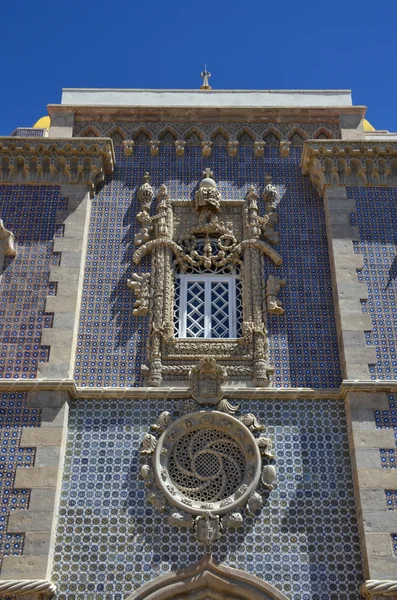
164	392
81	161
246	114
349	163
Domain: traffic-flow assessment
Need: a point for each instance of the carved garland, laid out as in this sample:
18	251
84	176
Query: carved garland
200	240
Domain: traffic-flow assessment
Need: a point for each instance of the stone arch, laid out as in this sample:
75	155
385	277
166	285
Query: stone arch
323	134
168	136
194	137
220	137
246	137
272	137
117	135
208	580
297	136
142	136
90	131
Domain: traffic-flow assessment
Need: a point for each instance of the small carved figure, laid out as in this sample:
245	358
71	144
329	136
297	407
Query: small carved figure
140	285
163	420
154	147
146	474
250	421
270	192
259	148
265	446
157	500
232	520
206	148
232	148
181	520
149	444
273	286
268	476
285	147
128	146
254	503
180	147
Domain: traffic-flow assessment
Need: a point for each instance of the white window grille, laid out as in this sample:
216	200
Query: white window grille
207	306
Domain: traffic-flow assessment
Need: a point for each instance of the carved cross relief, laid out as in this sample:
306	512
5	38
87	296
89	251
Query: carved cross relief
207	235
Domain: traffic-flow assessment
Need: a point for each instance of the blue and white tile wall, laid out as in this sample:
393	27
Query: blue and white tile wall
377	221
110	541
30	213
111	342
13	416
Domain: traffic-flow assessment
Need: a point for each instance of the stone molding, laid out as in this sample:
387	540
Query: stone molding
208	580
184	391
379	588
338	162
16	587
56	161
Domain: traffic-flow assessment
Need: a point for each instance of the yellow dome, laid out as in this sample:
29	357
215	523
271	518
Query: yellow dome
368	126
43	123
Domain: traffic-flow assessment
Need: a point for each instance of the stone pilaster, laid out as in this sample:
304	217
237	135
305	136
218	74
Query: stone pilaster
65	305
332	167
30	573
348	292
371	481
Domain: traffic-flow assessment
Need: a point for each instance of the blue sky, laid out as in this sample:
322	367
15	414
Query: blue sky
251	44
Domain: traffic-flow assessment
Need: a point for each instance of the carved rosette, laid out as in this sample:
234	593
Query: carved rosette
191	236
205	469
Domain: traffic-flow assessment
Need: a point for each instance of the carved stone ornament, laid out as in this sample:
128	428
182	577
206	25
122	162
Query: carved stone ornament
128	146
285	148
204	468
207	234
207	580
348	163
56	161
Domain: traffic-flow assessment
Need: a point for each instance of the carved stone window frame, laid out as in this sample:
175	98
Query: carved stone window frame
245	240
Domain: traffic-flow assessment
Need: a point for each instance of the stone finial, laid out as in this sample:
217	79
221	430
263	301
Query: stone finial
205	75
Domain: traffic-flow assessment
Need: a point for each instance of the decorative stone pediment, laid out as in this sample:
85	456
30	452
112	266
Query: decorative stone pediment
56	161
207	236
208	580
337	162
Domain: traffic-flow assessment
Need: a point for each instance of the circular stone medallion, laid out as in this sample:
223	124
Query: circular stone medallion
207	461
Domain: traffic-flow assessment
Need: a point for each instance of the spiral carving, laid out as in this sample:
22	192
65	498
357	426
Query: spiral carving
384	587
206	465
22	586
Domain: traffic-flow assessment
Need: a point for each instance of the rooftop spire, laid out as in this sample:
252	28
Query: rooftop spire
205	75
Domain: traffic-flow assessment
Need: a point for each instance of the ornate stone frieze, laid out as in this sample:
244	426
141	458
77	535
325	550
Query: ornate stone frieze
213	133
204	468
56	161
337	162
208	235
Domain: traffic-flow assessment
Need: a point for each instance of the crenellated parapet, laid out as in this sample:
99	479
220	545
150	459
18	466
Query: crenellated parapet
56	161
336	162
